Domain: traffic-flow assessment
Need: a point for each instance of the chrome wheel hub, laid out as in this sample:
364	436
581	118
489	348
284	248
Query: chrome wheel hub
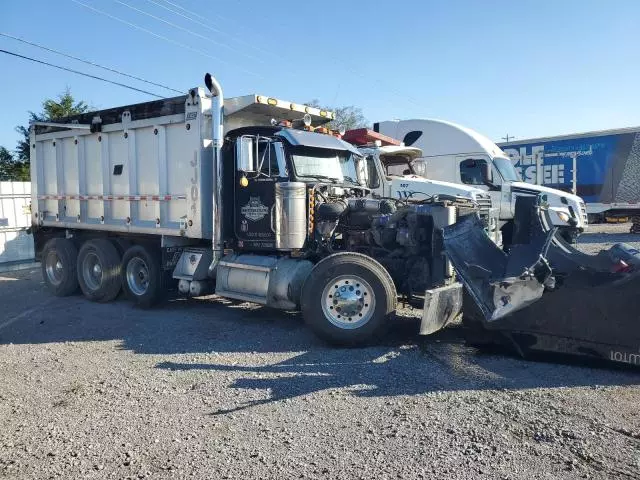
137	276
92	271
53	267
348	302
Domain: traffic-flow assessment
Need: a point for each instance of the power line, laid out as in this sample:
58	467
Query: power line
162	37
89	62
79	73
225	45
179	27
397	93
205	25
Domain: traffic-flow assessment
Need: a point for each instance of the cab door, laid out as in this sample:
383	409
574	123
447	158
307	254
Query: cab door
260	165
374	178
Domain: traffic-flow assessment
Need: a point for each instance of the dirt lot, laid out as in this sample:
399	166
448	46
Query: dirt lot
208	389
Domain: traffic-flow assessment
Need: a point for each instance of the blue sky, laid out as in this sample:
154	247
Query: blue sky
527	68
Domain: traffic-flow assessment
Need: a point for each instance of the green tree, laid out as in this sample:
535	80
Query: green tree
12	169
349	116
65	106
52	109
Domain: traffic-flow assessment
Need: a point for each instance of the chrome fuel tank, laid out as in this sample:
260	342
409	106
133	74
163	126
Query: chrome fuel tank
290	215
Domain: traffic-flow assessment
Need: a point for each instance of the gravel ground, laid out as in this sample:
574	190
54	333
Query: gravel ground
211	389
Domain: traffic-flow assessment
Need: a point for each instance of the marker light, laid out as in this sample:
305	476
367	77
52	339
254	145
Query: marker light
243	181
307	120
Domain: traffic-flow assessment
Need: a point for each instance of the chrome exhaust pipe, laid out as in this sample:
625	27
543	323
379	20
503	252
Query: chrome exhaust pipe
217	136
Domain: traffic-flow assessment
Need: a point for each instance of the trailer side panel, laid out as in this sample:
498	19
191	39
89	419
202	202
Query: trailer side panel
607	173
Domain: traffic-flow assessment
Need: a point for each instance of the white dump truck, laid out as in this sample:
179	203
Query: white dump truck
457	154
243	196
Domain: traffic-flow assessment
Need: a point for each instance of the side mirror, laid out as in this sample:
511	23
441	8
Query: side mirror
419	167
245	154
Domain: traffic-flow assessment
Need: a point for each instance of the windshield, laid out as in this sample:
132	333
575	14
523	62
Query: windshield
506	169
396	165
322	164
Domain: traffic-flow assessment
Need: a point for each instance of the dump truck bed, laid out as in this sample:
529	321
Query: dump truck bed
143	168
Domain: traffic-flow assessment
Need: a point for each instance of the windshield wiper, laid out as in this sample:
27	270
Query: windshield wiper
322	177
349	179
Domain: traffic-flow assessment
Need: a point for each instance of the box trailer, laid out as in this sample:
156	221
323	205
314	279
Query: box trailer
602	167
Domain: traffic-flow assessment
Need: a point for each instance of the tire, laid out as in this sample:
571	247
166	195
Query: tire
99	270
142	276
369	298
59	257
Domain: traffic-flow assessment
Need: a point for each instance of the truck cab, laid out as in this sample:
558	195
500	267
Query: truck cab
277	165
457	154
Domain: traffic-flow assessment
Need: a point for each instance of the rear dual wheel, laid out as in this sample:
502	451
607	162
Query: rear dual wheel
99	270
59	260
142	275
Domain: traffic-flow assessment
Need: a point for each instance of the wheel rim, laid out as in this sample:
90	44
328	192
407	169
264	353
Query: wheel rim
54	268
138	276
92	271
348	302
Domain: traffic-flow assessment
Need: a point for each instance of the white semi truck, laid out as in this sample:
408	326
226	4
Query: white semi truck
240	195
453	153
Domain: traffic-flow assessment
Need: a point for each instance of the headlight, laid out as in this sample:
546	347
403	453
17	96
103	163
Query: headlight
564	216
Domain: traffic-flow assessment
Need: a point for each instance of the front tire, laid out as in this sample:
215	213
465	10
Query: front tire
99	270
142	275
348	299
59	257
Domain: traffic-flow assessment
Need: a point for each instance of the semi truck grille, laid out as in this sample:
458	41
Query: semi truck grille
484	206
583	212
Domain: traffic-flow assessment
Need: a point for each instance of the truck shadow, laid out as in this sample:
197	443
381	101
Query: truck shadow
440	363
403	364
608	238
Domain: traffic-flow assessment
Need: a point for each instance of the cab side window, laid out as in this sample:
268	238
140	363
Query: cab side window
267	158
471	171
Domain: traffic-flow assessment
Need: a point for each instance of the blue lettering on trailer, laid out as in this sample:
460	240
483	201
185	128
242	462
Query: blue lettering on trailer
607	165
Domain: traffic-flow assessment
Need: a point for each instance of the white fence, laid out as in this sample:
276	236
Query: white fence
15	244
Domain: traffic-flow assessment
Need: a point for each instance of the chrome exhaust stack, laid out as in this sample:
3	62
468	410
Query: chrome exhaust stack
217	126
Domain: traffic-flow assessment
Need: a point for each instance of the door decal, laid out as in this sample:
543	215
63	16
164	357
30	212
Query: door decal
254	210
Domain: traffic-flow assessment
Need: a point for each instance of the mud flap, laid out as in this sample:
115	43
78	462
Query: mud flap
441	306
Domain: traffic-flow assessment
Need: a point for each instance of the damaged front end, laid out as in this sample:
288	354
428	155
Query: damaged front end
546	296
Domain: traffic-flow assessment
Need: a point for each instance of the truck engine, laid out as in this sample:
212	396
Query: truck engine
403	237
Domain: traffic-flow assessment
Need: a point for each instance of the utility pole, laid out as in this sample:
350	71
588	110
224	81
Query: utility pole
507	137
